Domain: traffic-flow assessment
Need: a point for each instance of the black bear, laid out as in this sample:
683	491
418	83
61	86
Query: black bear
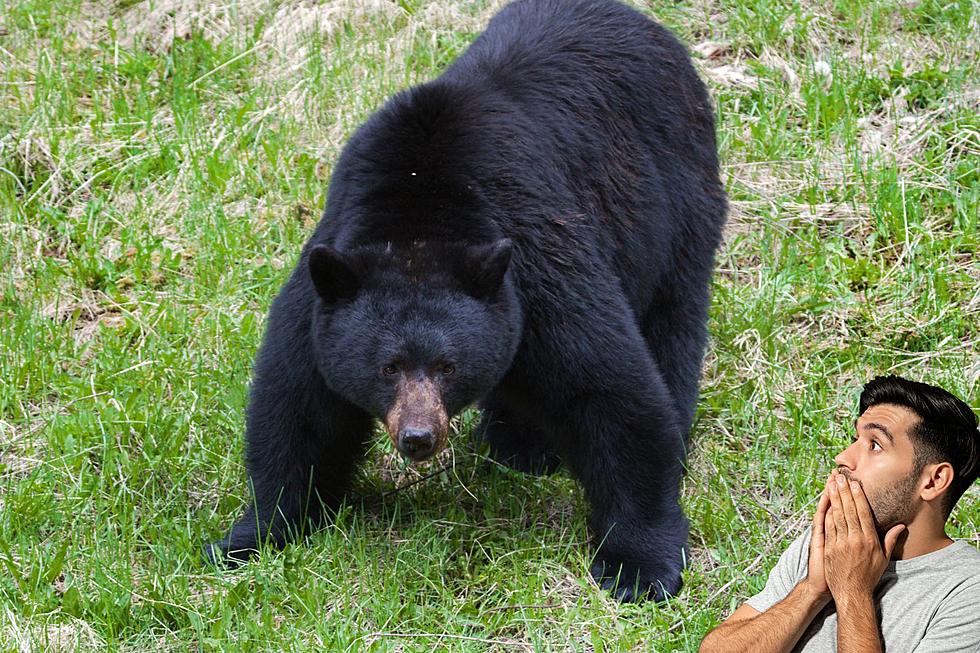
533	231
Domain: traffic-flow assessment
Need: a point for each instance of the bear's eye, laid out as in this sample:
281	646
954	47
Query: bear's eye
448	369
389	370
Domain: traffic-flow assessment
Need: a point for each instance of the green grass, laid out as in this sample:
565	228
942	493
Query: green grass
160	167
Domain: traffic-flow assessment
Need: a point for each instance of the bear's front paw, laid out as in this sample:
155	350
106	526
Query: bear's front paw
630	581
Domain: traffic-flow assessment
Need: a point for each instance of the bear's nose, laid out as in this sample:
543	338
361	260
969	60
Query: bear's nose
416	444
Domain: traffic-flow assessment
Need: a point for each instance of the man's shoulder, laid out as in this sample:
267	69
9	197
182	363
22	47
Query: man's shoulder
961	553
966	548
964	558
955	567
955	583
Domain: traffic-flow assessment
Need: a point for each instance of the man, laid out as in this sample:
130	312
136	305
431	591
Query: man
876	570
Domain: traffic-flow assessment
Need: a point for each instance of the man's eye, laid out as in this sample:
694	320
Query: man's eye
875	446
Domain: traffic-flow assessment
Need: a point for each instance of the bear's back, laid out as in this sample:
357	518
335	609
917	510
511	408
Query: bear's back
594	58
576	128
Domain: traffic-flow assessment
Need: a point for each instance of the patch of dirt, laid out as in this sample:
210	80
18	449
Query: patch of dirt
91	24
21	634
730	75
292	23
90	314
902	134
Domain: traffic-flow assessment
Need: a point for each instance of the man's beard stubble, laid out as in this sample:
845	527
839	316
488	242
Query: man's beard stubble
890	505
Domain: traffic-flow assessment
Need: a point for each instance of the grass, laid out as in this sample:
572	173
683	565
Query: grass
161	164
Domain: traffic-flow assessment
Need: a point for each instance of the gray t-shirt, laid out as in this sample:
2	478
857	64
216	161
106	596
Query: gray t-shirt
926	604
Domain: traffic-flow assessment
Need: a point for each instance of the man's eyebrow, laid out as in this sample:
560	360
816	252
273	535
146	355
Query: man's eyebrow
880	427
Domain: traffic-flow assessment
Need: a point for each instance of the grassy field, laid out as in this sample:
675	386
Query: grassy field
161	164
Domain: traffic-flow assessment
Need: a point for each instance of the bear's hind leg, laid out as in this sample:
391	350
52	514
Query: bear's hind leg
676	332
623	441
628	454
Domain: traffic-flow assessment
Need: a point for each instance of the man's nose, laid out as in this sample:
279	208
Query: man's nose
845	458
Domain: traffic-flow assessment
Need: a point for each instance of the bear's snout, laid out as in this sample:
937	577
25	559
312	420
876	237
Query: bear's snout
417	444
417	422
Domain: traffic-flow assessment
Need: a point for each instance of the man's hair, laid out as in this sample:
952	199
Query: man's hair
946	430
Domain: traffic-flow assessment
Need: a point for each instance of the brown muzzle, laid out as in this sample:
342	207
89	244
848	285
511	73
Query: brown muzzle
417	423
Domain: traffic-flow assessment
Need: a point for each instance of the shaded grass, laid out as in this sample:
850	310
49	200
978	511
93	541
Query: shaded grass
158	174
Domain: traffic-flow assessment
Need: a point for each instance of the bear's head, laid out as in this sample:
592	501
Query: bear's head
413	333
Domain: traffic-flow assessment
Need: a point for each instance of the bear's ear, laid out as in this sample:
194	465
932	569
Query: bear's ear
484	268
332	274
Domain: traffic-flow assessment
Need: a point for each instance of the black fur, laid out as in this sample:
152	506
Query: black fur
543	216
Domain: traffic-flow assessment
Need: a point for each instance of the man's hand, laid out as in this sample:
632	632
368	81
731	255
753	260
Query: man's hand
854	558
816	578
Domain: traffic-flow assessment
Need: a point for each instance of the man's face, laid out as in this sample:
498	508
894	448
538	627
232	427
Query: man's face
881	459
